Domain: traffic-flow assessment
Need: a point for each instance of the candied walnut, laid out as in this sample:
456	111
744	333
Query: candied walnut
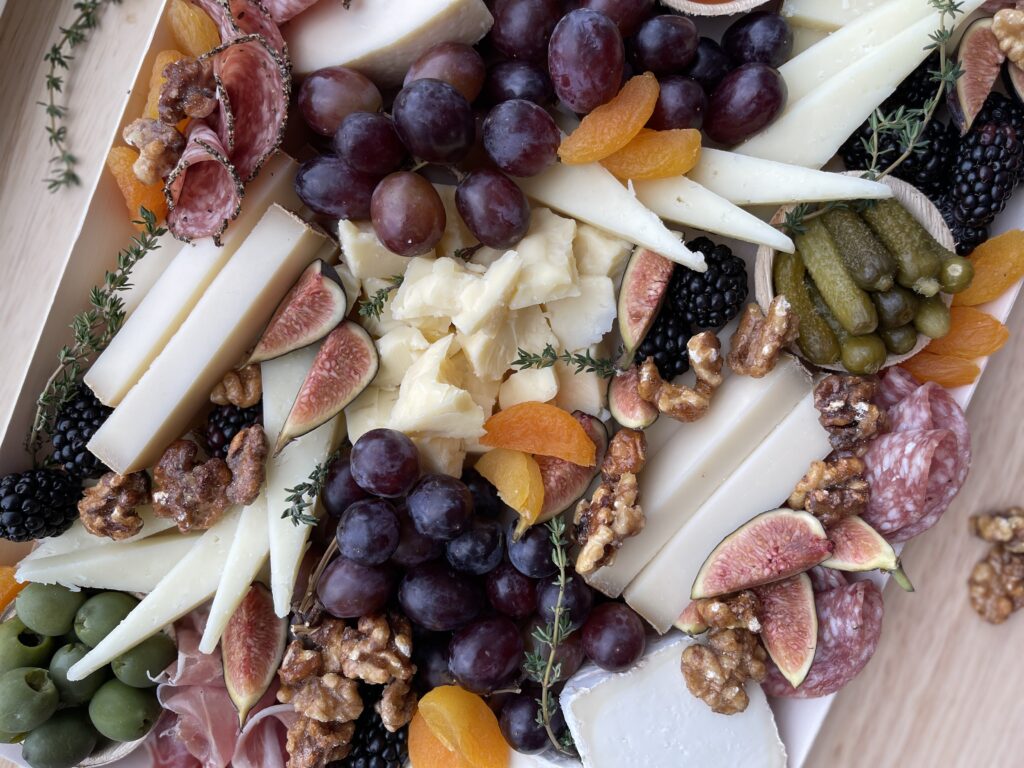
679	402
627	453
717	672
378	649
193	495
737	611
759	339
1008	28
299	664
242	388
313	744
189	90
847	413
1006	528
160	147
328	698
833	489
996	584
397	705
108	508
247	456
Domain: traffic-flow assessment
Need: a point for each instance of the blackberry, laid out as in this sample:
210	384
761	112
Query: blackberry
988	167
967	238
373	746
37	504
927	169
709	300
666	342
919	86
1002	110
75	425
226	421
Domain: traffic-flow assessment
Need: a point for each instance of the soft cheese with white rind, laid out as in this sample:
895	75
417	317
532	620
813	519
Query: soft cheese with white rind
647	717
381	38
77	537
180	286
746	180
190	583
826	15
222	327
688	462
591	194
662	589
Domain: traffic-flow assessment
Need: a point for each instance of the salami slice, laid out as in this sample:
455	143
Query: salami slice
895	385
283	10
238	18
849	627
823	579
204	192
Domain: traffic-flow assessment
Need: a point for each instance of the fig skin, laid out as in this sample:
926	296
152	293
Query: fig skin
789	625
624	401
565	482
252	648
644	286
981	61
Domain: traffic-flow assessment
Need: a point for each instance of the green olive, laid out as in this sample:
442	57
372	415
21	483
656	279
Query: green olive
956	274
48	609
932	317
123	713
28	698
100	614
864	355
10	738
74	691
145	661
63	741
900	340
21	647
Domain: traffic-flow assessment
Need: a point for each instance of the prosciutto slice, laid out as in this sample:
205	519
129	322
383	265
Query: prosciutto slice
262	742
204	192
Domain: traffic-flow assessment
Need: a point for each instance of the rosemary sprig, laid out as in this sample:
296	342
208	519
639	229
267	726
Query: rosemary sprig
304	495
583	362
92	331
58	58
374	305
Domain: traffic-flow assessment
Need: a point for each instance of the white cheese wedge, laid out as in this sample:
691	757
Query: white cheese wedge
490	354
371	410
432	288
746	180
647	717
77	537
683	201
598	253
689	462
224	324
762	482
531	384
532	330
381	38
180	286
826	15
484	303
804	38
584	391
132	567
483	391
591	194
441	455
398	349
580	321
191	582
548	264
456	234
148	271
365	255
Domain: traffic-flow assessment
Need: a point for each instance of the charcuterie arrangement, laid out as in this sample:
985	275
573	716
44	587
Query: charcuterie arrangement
506	384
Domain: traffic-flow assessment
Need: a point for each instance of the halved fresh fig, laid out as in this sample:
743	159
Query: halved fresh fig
251	649
772	546
313	308
980	60
789	625
859	547
344	366
644	285
1013	77
565	482
690	621
625	403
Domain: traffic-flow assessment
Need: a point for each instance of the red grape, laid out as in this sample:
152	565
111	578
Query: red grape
413	547
666	44
329	95
614	637
369	142
522	28
340	490
585	59
457	64
747	100
627	14
408	215
512	593
434	120
759	37
569	655
441	507
531	555
332	187
368	532
518	80
477	550
439	598
486	501
348	590
709	65
681	104
521	137
385	462
493	207
519	723
430	655
486	654
577	601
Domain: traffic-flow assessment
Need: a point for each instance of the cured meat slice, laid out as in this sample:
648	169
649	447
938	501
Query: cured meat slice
849	627
262	742
237	18
283	10
207	722
932	407
824	579
165	750
204	192
895	385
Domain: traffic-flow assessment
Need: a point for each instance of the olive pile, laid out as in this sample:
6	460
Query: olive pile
60	721
866	284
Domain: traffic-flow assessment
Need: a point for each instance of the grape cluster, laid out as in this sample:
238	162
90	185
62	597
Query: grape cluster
436	546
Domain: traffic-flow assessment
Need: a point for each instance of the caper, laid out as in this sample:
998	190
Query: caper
48	609
864	355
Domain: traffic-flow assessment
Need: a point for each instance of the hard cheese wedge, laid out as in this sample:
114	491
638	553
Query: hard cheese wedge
224	324
647	717
762	482
689	462
381	38
826	15
180	286
77	537
148	271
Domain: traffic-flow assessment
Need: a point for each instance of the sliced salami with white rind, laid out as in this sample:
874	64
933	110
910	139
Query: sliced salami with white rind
824	579
895	385
204	192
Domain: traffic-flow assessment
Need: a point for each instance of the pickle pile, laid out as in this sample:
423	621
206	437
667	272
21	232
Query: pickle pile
866	284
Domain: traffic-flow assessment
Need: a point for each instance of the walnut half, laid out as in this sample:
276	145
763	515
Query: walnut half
1008	28
109	507
160	147
242	387
832	490
717	673
685	403
847	413
996	585
1006	528
760	338
194	495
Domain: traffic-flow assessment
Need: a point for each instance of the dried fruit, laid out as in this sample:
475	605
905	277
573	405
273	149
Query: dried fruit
9	586
656	155
624	401
156	83
612	125
980	60
194	31
427	751
998	264
465	725
251	649
946	370
120	161
972	333
645	284
543	429
565	482
518	479
789	625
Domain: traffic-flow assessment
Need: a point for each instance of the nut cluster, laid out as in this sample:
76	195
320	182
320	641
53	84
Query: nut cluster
160	147
679	402
759	339
739	611
109	507
1008	28
242	387
847	413
717	672
189	90
996	583
833	489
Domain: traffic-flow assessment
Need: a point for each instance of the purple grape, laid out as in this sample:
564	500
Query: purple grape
519	723
709	65
759	38
430	655
614	637
407	213
681	104
531	555
413	547
340	489
522	28
385	463
576	602
457	64
493	207
521	137
368	532
627	14
441	507
569	656
512	593
439	598
328	95
479	549
746	101
585	59
369	143
665	44
518	80
486	501
332	187
348	590
435	121
486	655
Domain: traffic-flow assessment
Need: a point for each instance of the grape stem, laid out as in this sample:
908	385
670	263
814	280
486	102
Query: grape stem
314	577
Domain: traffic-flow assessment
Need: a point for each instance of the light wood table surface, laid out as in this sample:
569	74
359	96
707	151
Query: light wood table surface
944	689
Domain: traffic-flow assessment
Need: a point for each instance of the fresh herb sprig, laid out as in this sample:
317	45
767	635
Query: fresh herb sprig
58	59
583	362
374	305
92	331
304	495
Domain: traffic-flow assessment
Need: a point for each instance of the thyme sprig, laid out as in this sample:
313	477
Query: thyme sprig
373	306
583	362
304	495
92	331
58	59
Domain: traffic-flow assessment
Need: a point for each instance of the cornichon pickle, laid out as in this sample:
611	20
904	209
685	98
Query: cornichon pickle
900	340
918	257
864	355
816	340
896	307
956	274
869	263
932	317
851	306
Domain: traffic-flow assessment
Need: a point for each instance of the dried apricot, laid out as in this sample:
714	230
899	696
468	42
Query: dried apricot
612	126
9	586
518	479
656	155
194	31
465	725
998	264
540	428
136	194
426	751
972	333
946	370
157	80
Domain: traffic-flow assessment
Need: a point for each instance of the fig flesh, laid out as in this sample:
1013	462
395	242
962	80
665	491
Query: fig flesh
690	621
980	60
789	625
252	648
859	547
644	285
313	308
772	546
625	403
565	482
